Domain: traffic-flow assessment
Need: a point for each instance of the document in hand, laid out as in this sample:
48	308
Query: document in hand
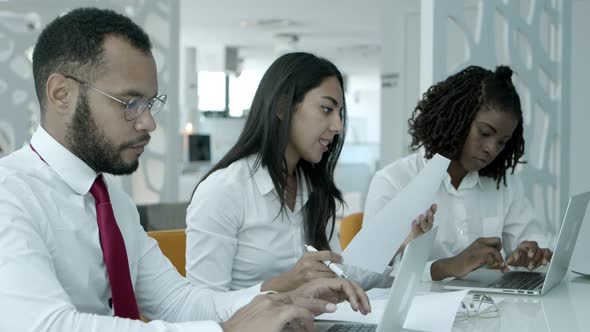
378	240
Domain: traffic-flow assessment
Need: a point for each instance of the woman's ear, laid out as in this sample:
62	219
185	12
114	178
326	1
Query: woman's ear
282	107
60	95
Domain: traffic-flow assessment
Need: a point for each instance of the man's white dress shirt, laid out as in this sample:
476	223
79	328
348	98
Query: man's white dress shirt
237	238
475	209
52	273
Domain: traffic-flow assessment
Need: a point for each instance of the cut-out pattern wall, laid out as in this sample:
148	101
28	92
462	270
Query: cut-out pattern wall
533	38
20	23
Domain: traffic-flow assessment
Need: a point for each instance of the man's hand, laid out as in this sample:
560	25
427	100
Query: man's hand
271	312
529	255
484	251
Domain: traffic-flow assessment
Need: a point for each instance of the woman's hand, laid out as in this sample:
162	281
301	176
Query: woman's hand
420	226
529	255
423	224
333	291
307	268
484	251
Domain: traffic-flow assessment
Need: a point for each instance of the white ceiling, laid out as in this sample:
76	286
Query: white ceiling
345	31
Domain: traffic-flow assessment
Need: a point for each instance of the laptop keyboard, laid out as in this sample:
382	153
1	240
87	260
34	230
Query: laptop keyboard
519	280
352	328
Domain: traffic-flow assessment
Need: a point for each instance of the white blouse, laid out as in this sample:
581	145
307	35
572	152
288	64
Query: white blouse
237	238
476	209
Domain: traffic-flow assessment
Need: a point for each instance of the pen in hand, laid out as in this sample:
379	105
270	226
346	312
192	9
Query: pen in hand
335	268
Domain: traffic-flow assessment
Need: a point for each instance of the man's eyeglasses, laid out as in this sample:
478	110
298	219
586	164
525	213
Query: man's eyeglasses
135	106
480	305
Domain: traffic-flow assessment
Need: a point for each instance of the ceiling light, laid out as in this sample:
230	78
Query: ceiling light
269	23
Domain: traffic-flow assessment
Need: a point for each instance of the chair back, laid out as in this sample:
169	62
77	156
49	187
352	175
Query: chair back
349	226
173	246
162	216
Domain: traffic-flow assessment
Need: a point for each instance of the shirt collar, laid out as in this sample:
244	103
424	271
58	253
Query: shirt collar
73	170
265	185
469	181
261	176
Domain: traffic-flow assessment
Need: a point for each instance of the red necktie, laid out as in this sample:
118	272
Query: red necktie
114	253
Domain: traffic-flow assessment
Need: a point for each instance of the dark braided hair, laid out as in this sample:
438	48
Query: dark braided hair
442	119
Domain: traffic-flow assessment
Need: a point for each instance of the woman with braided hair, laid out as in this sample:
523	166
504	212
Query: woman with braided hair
474	118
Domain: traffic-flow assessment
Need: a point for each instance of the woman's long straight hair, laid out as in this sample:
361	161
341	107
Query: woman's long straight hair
281	89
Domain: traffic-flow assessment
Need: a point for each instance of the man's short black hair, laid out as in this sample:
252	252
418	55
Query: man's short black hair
73	44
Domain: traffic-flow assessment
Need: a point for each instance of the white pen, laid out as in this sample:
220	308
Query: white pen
335	268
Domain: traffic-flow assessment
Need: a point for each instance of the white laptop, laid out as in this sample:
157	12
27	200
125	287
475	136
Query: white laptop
402	291
533	283
580	259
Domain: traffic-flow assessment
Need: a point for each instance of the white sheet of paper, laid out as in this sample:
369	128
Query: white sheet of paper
439	308
375	244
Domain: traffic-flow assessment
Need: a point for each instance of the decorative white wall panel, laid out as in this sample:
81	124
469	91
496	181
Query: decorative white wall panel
533	37
20	23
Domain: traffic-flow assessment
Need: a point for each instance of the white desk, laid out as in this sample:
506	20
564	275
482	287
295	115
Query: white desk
565	308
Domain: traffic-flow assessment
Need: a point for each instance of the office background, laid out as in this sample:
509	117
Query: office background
211	55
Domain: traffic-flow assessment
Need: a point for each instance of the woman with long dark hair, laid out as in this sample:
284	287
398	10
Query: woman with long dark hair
474	118
274	191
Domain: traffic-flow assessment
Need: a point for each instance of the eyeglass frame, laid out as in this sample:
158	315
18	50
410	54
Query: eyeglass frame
149	102
475	312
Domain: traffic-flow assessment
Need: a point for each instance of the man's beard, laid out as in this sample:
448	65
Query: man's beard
90	144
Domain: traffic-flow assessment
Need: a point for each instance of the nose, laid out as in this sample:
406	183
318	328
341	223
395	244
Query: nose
491	148
336	123
145	122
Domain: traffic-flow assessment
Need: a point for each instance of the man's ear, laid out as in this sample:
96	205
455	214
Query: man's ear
60	94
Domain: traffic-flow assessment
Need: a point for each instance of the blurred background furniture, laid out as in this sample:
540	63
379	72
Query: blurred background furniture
173	245
163	216
349	226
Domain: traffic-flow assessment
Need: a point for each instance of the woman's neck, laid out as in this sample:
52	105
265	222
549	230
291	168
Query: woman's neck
291	191
457	173
292	158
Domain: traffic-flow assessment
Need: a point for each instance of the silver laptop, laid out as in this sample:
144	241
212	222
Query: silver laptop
580	263
402	291
533	283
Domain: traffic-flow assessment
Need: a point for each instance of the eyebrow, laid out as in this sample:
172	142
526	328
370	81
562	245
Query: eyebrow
334	102
135	93
494	129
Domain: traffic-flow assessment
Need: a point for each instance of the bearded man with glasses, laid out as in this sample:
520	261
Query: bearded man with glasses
73	256
93	147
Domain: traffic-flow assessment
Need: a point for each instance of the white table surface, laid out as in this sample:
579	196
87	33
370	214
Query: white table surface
565	308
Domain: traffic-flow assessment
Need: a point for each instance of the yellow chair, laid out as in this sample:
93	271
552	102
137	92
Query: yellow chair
173	245
349	226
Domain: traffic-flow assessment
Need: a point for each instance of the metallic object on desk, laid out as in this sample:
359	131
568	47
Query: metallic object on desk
479	305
